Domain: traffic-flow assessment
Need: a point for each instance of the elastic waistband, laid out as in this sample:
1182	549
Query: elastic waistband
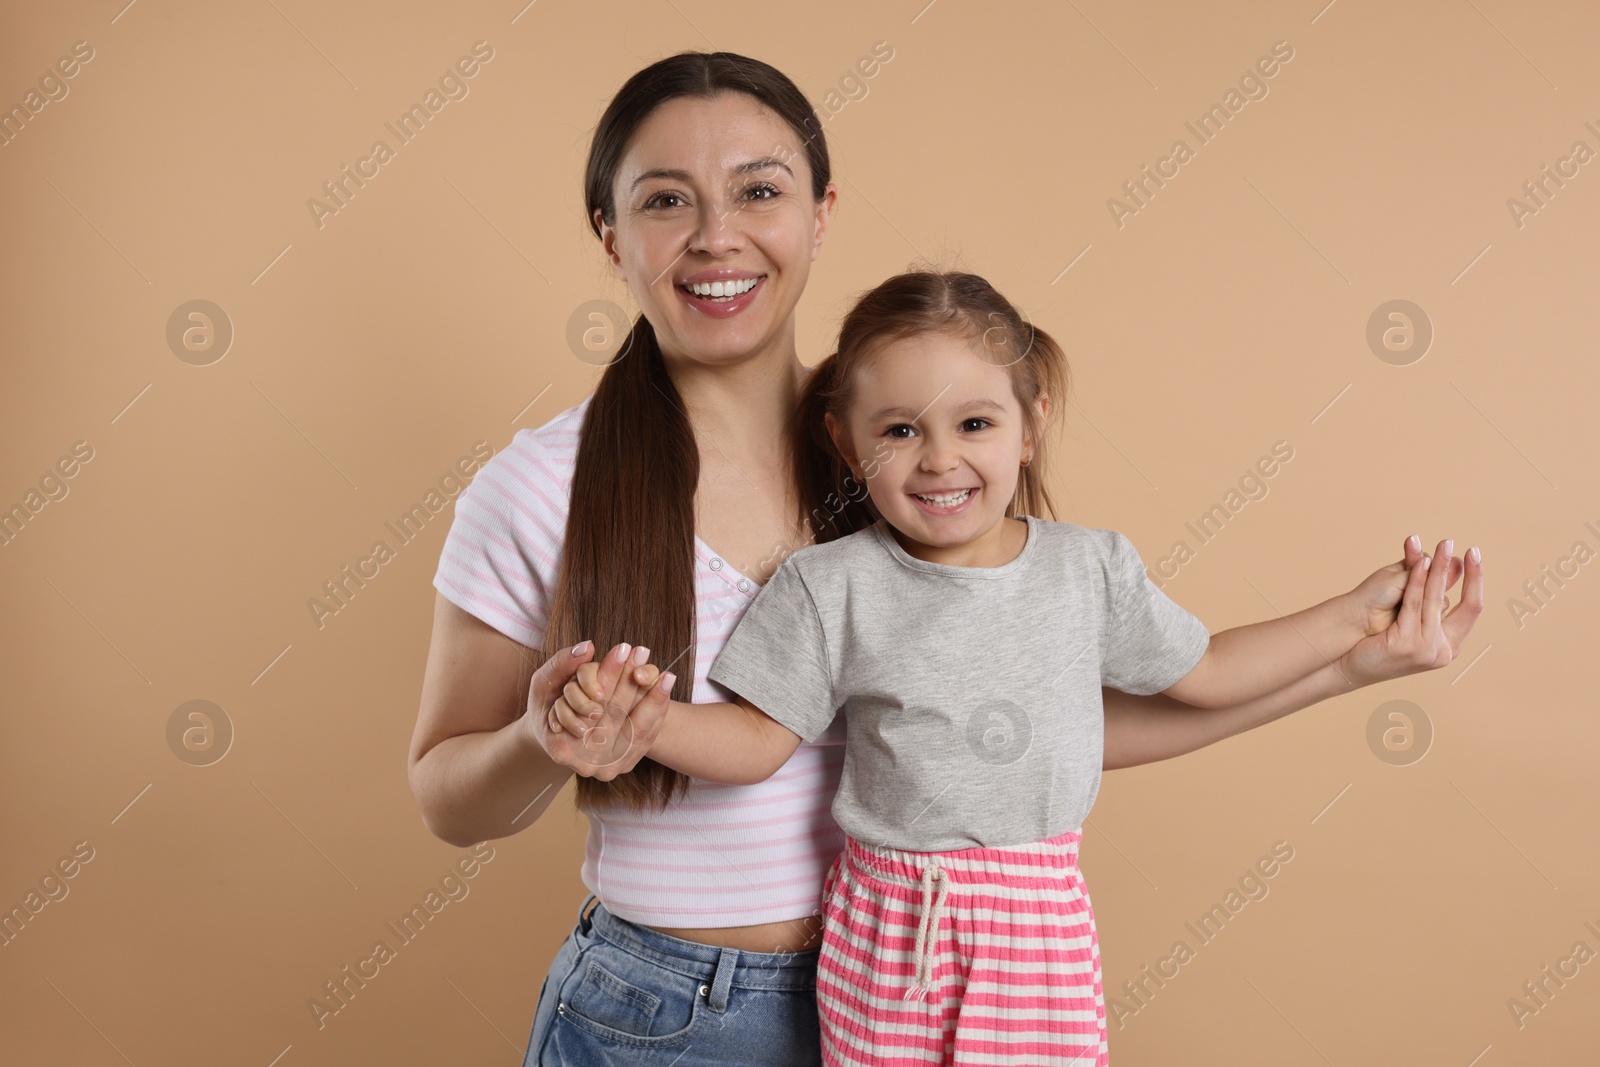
1048	859
749	970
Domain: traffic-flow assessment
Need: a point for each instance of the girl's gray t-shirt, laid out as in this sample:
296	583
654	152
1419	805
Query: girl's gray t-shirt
971	694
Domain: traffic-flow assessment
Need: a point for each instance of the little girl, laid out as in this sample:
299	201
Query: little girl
966	642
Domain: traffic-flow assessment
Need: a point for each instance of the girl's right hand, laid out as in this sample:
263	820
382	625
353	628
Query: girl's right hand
614	740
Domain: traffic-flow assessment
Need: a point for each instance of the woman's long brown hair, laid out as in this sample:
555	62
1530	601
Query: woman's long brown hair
628	569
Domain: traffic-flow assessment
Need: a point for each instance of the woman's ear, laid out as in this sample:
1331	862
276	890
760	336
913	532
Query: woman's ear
825	206
608	242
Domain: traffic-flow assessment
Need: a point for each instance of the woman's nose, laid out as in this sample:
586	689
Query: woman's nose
717	228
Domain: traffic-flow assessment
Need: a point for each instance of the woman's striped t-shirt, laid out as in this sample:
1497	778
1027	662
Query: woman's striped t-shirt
722	855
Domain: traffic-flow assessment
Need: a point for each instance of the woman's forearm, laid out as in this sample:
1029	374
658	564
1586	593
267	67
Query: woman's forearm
1145	729
479	786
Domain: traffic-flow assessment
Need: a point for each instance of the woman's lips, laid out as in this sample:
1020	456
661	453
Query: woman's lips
721	308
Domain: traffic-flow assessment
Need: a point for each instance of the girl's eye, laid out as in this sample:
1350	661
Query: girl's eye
655	200
968	422
890	432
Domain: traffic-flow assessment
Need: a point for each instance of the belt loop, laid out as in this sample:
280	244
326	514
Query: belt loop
722	980
585	921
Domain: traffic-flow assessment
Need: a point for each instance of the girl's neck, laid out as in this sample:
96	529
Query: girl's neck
1002	543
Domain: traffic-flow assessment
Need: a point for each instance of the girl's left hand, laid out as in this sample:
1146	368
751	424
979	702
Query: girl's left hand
1408	629
1379	595
613	715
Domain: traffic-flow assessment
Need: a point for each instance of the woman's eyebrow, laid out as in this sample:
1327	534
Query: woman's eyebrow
762	164
684	176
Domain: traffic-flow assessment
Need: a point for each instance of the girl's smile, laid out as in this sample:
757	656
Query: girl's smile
959	439
948	502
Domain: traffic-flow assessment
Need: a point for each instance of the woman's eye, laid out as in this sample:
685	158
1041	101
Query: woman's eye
655	201
764	187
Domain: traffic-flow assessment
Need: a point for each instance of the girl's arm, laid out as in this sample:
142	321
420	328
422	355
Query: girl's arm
733	743
1406	631
1247	663
738	743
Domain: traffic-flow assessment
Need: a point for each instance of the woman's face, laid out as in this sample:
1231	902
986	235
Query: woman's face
716	191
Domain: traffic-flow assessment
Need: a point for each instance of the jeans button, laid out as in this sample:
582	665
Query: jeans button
704	990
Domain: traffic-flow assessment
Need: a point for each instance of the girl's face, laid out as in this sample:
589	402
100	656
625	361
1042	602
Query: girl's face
716	191
937	434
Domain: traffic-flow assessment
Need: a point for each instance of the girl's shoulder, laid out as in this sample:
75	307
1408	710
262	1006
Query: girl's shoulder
1061	528
837	556
1098	543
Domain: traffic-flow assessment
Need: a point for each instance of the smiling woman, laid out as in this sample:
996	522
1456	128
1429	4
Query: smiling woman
708	186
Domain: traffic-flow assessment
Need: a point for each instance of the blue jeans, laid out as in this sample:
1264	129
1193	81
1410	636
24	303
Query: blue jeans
621	993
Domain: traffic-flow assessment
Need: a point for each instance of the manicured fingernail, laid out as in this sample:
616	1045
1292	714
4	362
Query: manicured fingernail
580	648
640	655
1449	547
1477	557
1415	541
622	652
667	681
1426	562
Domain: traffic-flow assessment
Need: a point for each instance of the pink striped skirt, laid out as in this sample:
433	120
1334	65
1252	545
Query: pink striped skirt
977	956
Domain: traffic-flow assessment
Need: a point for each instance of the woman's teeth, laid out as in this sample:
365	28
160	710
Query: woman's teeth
945	500
723	290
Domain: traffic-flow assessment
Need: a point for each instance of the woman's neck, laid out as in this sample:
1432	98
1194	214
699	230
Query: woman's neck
741	409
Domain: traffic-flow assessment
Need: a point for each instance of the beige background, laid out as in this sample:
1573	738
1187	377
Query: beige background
370	354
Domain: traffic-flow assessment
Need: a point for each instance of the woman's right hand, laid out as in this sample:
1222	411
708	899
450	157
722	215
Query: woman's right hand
629	719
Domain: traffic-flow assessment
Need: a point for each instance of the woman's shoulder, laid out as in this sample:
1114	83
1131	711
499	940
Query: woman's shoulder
557	439
546	453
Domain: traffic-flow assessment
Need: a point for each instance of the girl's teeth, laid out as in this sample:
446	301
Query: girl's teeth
723	290
946	501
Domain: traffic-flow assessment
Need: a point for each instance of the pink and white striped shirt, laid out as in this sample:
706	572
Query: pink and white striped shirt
722	855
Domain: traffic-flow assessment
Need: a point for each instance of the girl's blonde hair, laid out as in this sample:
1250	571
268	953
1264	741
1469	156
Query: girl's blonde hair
917	302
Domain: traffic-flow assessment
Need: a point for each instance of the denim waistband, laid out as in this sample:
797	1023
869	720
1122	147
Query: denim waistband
748	970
